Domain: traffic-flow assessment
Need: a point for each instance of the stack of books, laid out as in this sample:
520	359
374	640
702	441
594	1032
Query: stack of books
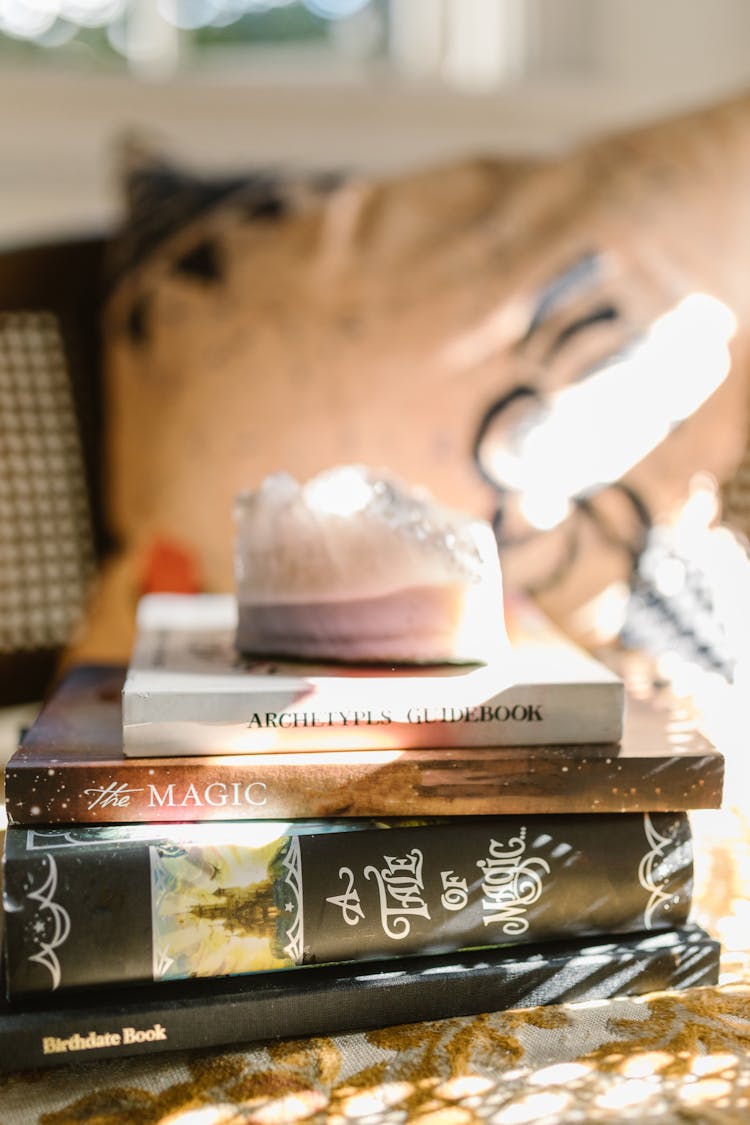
204	850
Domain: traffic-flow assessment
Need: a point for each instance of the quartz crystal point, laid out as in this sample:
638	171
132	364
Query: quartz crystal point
354	566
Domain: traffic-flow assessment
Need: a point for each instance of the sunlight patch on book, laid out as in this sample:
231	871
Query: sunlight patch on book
188	738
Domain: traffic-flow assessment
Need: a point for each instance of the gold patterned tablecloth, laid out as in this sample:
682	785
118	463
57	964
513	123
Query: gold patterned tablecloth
667	1057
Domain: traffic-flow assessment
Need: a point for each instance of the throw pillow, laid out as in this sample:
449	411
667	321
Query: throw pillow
293	322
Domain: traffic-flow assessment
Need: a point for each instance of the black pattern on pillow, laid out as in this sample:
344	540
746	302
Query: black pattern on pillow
162	200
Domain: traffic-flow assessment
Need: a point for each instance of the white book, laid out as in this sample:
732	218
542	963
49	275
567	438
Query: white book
189	692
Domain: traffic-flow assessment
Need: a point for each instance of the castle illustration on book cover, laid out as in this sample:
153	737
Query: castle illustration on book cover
223	909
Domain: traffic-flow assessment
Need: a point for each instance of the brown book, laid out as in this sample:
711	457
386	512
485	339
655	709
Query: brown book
70	767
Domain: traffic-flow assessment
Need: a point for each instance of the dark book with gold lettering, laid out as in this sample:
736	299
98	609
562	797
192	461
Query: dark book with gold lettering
149	1019
93	906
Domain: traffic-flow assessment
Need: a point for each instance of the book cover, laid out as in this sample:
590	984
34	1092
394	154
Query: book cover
81	1027
70	766
88	906
188	691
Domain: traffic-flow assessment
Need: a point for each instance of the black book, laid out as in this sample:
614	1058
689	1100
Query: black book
110	905
103	1024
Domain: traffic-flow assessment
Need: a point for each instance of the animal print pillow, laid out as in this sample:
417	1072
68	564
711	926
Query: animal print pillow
427	323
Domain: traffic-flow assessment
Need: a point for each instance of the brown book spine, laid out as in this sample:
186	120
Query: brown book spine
408	783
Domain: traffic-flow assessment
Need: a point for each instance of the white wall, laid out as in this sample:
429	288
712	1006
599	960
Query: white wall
587	66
